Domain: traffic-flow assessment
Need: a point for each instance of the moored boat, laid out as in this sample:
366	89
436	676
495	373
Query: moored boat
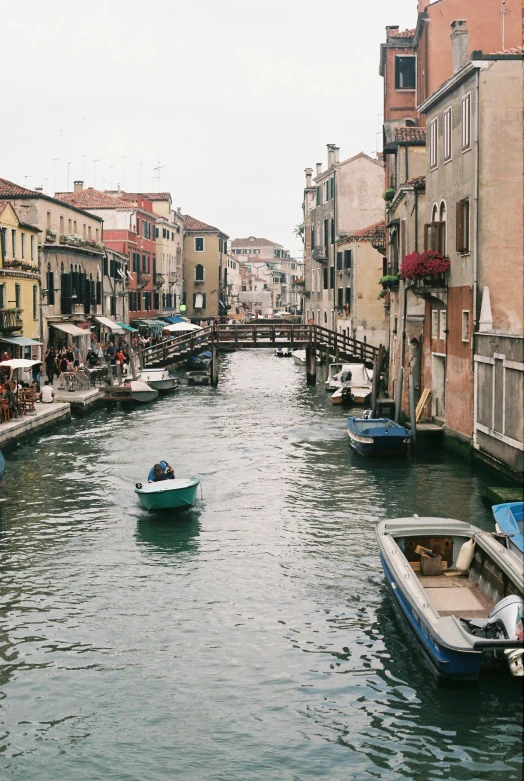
509	520
353	380
159	379
283	352
200	361
299	356
198	378
377	435
460	592
168	494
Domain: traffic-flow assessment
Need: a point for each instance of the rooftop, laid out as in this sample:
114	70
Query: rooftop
150	196
403	34
10	189
254	242
192	224
375	231
93	199
410	135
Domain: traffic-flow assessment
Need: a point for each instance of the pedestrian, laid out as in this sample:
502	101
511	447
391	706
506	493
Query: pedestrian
50	364
36	373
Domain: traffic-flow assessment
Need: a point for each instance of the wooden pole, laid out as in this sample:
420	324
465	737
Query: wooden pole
214	367
398	396
311	365
374	387
412	412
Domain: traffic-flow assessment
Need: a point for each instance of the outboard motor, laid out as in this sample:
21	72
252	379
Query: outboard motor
506	621
368	414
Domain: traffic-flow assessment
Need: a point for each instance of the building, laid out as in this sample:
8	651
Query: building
233	286
205	255
348	197
129	229
359	268
474	315
71	256
272	270
20	290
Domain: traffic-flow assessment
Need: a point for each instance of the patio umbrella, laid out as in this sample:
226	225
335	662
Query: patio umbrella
182	327
19	363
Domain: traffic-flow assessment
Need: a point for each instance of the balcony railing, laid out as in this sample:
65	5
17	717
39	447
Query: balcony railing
159	280
143	278
435	281
11	320
319	253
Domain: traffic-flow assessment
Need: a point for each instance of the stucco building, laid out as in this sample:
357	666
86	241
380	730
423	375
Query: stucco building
205	255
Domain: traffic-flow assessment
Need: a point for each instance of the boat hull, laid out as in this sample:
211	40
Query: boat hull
198	378
509	520
387	442
168	494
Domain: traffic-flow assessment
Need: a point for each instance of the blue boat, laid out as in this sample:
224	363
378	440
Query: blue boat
174	494
509	519
460	593
200	361
377	435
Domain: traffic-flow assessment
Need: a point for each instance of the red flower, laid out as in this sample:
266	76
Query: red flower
424	264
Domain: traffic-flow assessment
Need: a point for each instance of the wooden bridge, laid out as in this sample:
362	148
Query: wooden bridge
313	338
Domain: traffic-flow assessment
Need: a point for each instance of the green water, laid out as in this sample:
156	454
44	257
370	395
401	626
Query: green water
252	638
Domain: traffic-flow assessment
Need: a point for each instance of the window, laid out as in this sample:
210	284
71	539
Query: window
84	230
405	72
326	280
32	247
339	261
332	230
70	227
74	226
443	224
466	122
332	186
18	296
332	277
137	225
348	296
88	231
48	220
326	192
199	300
35	302
199	272
434	324
50	282
3	242
2	296
13	243
340	297
433	143
319	195
22	244
465	325
347	259
61	223
442	324
447	135
312	238
199	244
435	232
462	227
326	234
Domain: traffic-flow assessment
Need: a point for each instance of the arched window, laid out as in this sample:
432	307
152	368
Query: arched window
199	272
410	122
325	317
434	213
443	227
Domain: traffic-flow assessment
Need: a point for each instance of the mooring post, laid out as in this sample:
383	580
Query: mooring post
398	395
311	365
412	409
214	367
132	361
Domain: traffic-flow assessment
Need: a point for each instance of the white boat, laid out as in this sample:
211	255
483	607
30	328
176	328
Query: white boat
159	379
283	352
352	383
141	391
299	356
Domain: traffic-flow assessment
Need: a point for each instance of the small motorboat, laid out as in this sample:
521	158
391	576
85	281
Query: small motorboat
283	352
141	391
168	494
509	520
200	361
198	378
159	379
460	592
377	436
299	356
353	380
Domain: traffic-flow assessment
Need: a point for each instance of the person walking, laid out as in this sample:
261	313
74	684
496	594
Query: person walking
50	364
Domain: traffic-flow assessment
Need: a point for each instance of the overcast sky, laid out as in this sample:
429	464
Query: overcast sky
234	98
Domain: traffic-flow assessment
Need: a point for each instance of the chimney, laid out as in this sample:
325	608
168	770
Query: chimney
330	148
78	186
391	29
309	174
336	150
319	169
459	44
39	189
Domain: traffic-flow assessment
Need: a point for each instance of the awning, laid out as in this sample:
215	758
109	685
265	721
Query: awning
174	319
155	325
71	329
20	341
111	324
127	327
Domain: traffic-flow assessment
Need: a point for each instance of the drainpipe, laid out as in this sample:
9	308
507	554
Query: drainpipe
475	248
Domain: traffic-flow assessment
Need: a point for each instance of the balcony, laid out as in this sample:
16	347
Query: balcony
143	278
11	320
429	283
159	280
319	253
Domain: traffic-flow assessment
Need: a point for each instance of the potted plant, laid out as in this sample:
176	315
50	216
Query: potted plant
50	235
389	194
389	280
424	265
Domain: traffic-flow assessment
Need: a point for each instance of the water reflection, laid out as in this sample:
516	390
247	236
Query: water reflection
162	531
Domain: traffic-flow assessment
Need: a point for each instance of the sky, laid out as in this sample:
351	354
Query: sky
228	99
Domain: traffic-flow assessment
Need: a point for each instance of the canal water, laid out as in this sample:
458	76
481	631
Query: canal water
253	637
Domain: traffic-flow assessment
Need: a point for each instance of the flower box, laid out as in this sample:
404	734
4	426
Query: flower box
421	265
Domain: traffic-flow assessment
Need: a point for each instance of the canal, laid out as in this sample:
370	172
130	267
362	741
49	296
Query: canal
253	638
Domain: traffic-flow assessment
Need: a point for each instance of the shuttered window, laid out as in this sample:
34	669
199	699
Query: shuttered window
339	261
435	236
462	226
466	122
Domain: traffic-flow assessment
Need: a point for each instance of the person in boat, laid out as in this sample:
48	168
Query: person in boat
161	471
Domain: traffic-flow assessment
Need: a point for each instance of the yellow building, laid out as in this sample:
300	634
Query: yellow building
20	298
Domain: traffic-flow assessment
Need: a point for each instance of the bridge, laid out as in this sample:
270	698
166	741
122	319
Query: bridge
314	338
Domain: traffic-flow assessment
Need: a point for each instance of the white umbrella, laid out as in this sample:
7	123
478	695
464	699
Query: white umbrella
19	363
182	327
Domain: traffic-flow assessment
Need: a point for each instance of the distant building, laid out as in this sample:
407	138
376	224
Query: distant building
272	265
205	266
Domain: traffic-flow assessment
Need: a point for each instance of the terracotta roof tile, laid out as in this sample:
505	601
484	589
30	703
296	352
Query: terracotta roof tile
252	240
410	135
417	181
375	231
403	34
191	224
149	196
93	199
10	189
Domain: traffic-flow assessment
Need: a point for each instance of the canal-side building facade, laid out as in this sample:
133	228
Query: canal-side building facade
20	289
205	255
473	340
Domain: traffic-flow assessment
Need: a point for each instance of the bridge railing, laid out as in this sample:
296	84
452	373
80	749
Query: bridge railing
335	343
